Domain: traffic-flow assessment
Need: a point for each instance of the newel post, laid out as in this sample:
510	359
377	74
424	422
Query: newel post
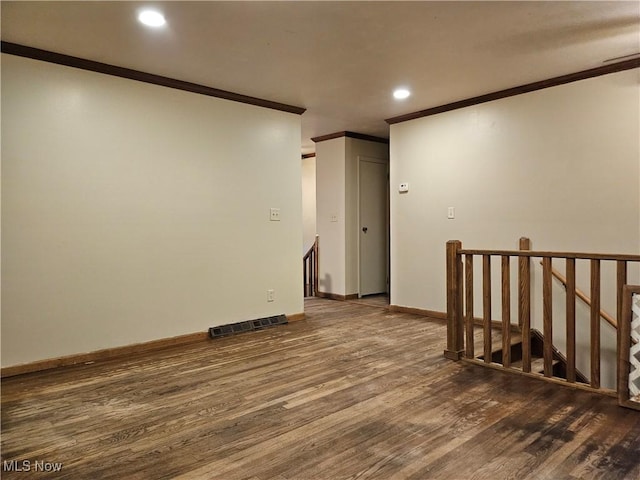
455	333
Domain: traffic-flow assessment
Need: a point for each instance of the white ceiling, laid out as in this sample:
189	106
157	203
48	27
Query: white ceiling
339	60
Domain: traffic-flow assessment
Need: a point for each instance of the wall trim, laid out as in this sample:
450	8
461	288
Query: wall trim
419	311
296	317
519	90
115	352
308	155
359	136
108	69
478	321
337	296
105	354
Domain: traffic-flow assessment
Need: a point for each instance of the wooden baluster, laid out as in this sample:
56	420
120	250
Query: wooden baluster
468	286
311	274
621	281
595	323
547	317
621	277
506	312
455	328
524	304
486	306
571	319
305	276
316	264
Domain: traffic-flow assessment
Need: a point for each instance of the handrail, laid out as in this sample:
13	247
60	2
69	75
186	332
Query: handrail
309	252
310	269
546	254
582	296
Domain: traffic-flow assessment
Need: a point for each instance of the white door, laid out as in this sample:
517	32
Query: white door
373	203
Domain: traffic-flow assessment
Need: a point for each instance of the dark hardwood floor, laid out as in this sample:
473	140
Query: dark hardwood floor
352	392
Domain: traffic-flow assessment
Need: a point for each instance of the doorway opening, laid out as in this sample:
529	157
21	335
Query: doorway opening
373	221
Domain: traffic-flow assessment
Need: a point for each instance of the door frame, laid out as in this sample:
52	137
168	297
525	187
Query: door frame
366	158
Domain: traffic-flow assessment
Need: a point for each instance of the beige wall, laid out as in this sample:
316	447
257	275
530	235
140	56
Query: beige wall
133	212
330	204
337	196
560	166
308	202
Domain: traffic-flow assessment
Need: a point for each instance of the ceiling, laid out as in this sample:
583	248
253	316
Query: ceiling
339	60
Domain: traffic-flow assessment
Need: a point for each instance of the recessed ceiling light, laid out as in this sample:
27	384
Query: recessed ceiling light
151	18
401	93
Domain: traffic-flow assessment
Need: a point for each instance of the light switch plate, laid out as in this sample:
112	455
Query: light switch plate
451	213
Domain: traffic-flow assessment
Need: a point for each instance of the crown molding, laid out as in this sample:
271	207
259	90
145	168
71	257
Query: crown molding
359	136
105	68
510	92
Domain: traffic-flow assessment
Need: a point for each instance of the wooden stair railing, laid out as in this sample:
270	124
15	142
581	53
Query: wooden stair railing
559	363
310	270
583	296
461	334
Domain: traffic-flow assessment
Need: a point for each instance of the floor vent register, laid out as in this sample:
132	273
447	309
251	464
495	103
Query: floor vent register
247	326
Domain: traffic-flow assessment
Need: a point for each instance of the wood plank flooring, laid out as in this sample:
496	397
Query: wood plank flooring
352	392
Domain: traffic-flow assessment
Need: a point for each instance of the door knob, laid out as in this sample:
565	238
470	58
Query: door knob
364	229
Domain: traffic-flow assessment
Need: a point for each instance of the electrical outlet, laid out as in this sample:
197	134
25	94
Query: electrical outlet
334	218
274	214
271	295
